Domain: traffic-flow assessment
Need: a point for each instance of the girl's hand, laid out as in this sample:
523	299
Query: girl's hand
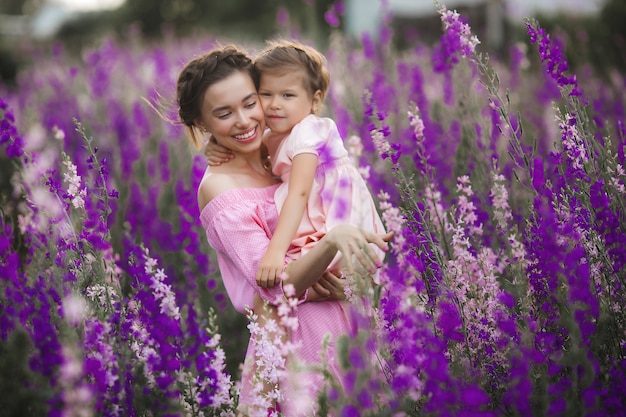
354	241
270	269
215	153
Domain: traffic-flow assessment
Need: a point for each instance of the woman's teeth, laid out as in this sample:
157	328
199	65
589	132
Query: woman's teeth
245	135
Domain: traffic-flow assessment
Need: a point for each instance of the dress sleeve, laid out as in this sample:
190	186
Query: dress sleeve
308	136
240	241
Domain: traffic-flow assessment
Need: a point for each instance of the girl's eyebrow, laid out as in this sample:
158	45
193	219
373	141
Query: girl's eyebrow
223	108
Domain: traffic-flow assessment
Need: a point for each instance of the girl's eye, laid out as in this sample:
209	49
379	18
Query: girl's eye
264	94
288	95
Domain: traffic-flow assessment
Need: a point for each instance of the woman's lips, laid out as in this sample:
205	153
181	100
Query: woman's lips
247	136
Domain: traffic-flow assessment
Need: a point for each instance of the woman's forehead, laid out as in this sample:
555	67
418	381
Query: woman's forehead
230	91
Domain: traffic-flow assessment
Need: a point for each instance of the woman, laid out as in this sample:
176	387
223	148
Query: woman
217	96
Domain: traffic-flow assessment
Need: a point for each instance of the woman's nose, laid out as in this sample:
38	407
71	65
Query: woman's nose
243	118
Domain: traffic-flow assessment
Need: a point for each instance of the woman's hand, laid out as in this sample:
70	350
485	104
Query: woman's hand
215	153
329	287
355	242
348	239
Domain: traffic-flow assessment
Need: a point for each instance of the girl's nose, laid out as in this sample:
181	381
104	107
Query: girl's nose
274	103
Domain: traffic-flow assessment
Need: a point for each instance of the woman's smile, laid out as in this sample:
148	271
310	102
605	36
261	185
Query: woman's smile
247	136
231	112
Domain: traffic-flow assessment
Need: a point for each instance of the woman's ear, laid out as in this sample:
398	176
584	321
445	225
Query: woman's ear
198	124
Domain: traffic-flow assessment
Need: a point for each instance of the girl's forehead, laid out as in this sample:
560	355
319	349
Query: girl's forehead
290	77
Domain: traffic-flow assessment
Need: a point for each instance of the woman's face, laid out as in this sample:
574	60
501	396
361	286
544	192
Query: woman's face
231	112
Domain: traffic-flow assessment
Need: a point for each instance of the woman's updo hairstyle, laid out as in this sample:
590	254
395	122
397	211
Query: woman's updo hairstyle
199	74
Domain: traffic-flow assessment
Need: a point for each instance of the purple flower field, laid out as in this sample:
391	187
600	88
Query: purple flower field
502	295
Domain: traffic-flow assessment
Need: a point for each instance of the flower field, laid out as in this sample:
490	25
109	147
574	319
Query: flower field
503	180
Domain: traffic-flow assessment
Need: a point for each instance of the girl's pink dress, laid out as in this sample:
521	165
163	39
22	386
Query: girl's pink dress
239	224
339	194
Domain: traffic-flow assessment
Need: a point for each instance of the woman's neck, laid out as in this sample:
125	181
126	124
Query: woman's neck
245	170
250	161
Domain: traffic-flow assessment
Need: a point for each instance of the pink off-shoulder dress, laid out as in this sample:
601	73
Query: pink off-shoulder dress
239	224
339	194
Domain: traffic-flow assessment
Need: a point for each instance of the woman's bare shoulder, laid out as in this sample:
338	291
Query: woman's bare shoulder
213	184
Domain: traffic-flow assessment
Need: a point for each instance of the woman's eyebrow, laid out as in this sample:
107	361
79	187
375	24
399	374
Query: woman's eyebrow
223	108
220	109
249	96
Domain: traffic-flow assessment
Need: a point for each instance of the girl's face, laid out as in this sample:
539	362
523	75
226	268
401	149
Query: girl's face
285	100
231	112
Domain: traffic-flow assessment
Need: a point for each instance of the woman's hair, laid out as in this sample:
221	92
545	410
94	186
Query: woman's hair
199	74
283	56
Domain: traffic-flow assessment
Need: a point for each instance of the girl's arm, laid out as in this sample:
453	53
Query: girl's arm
300	182
215	153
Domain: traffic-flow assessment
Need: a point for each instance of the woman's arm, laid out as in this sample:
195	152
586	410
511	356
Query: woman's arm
347	239
300	183
241	234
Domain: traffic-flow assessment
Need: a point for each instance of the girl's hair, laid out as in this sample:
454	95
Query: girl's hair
283	56
202	72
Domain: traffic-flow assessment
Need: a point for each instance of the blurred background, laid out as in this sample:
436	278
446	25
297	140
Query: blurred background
597	25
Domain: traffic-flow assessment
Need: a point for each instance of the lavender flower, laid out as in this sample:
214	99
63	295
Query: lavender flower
551	54
457	32
9	136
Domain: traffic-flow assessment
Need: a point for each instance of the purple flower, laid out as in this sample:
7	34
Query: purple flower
456	40
552	56
331	18
282	16
449	322
474	397
9	136
350	410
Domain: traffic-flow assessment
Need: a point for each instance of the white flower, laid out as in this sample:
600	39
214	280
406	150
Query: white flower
74	189
74	308
59	134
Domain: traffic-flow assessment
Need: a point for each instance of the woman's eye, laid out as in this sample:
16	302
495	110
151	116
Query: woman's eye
223	116
250	105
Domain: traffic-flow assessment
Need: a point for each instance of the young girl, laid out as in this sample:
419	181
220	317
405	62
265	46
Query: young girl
320	186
